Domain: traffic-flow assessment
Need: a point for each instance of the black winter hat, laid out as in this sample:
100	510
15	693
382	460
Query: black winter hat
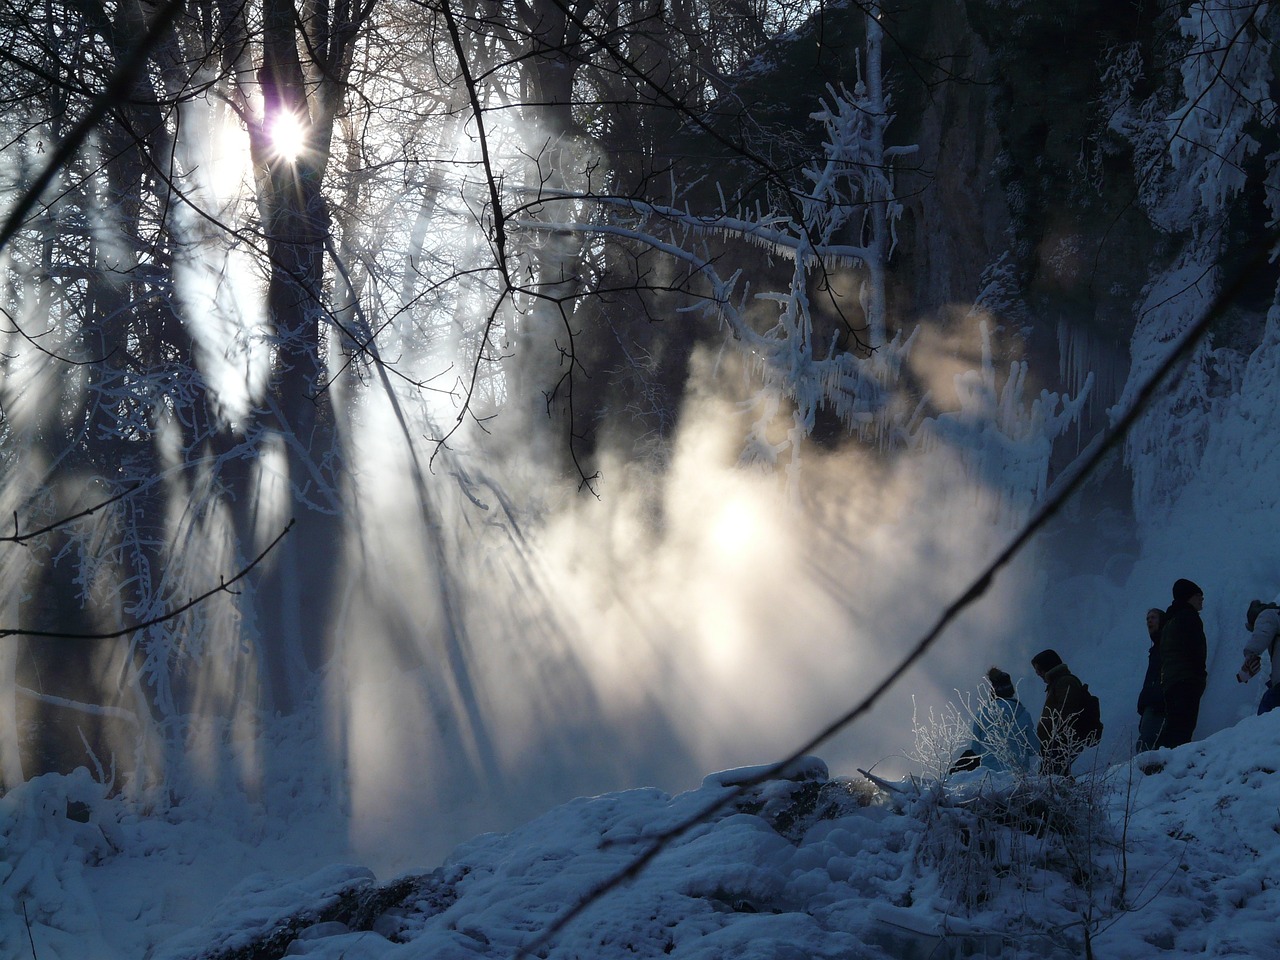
1185	590
1046	660
1001	682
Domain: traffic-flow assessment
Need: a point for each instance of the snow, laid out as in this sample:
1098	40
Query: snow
813	866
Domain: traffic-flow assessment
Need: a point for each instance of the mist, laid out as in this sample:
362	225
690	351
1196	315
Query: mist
504	642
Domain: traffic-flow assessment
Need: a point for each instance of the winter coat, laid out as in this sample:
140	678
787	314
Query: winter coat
1003	736
1183	648
1064	697
1152	694
1263	639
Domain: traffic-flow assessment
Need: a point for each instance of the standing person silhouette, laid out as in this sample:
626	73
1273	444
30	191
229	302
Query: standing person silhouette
1183	656
1151	697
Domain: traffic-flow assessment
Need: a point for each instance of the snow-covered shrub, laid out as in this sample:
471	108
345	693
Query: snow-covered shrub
942	737
986	834
49	835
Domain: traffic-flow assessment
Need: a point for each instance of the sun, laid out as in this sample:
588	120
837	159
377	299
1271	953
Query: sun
288	134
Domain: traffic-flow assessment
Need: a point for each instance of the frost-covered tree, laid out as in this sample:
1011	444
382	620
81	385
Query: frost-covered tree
840	217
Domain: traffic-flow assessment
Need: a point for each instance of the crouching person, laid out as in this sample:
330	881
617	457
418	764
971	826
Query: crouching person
1003	736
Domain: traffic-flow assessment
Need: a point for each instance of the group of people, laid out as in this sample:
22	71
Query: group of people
1003	737
1177	665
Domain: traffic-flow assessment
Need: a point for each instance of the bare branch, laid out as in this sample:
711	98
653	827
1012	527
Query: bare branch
224	586
22	538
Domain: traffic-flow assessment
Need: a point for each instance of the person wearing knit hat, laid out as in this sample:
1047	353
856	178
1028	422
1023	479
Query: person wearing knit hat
1001	683
1065	702
1184	653
1003	736
1045	660
1185	589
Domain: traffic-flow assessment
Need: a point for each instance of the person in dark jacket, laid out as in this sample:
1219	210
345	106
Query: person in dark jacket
1183	656
1064	699
1151	697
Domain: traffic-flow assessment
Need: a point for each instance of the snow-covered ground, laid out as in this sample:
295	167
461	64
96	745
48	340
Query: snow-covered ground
1182	859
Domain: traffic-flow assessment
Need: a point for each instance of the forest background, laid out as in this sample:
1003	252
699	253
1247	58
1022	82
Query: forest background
500	402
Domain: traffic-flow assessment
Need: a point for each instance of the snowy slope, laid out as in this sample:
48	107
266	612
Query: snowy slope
808	867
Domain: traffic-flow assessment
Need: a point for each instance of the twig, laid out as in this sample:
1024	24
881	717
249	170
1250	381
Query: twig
21	539
223	586
95	709
30	935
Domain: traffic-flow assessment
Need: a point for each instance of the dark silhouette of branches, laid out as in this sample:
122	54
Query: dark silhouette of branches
118	90
498	227
22	538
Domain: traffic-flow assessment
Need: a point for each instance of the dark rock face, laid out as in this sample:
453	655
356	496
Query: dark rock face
1022	200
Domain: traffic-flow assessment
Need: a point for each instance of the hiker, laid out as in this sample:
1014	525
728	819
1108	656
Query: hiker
1183	655
1151	697
1263	621
1069	721
1003	737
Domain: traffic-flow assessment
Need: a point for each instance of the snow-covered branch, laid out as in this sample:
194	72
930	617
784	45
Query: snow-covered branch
847	216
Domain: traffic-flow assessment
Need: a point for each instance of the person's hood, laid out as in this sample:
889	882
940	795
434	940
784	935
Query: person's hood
1055	673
